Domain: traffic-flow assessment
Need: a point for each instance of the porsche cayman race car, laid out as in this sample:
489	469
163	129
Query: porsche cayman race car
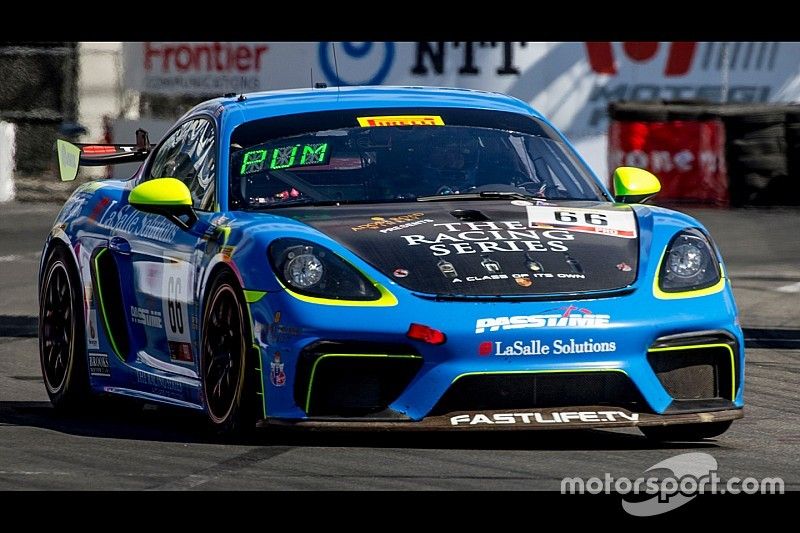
387	258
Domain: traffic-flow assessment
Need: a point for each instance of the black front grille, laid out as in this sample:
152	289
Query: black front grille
481	392
353	379
700	373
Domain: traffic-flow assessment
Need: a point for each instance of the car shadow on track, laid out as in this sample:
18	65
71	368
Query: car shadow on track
120	419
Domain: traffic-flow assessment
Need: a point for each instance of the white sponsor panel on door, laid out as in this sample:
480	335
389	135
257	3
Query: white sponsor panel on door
176	284
620	223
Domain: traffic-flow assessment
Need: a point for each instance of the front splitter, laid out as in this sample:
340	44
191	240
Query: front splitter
579	417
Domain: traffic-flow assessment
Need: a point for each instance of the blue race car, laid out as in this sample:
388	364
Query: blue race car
386	258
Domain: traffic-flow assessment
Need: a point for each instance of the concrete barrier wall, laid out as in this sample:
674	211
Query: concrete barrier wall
7	149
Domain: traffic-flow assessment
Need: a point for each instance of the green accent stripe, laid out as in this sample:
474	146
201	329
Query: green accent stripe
699	346
564	371
252	297
387	299
103	305
260	369
327	355
258	350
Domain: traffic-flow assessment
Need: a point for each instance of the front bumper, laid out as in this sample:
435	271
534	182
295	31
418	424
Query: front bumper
637	340
584	417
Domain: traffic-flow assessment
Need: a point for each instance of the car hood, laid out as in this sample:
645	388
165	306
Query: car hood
489	247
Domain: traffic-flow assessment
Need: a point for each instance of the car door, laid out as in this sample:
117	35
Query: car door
162	309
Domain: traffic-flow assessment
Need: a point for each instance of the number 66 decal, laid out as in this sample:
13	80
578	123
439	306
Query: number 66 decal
615	223
176	290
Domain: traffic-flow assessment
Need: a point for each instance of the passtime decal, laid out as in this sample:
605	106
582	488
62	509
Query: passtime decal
536	417
571	317
98	365
486	237
389	224
620	223
537	347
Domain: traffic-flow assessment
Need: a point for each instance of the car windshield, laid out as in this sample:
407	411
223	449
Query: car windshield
404	158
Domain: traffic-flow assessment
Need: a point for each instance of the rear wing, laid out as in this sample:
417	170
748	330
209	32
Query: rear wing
72	156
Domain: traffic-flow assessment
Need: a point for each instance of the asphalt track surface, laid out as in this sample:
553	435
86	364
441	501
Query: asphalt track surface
130	446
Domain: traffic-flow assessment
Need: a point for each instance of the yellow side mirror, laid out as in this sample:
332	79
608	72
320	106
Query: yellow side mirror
169	197
634	185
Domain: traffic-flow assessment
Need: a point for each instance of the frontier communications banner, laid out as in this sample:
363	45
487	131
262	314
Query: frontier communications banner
571	83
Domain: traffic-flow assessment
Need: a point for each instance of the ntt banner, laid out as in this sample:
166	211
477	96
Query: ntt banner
572	83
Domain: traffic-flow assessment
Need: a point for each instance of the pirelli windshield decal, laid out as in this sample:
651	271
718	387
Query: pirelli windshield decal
401	120
603	222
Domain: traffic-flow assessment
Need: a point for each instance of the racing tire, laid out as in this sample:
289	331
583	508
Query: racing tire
227	373
62	337
686	432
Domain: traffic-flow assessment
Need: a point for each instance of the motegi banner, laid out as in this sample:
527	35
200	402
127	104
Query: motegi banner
570	83
494	248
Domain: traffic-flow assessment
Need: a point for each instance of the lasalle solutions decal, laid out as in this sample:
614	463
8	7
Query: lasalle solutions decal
537	347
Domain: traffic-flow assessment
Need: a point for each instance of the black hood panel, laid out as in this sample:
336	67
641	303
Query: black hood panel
488	247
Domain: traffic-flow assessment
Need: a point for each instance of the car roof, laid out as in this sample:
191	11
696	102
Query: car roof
253	106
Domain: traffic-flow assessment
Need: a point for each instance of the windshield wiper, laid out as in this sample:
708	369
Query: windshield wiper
314	203
479	196
293	203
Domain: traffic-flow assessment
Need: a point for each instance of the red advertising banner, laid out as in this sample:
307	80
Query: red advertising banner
688	156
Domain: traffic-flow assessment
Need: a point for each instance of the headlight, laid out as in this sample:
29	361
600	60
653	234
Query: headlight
313	270
689	263
303	269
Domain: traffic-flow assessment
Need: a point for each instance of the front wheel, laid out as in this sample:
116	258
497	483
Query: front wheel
62	347
686	432
227	383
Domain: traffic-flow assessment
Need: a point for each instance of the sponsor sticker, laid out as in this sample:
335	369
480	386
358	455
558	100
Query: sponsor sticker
624	267
400	120
126	219
488	237
537	347
92	342
98	364
538	418
277	376
180	351
569	317
400	273
395	223
146	317
447	269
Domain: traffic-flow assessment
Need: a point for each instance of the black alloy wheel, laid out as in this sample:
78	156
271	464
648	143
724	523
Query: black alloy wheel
62	348
226	384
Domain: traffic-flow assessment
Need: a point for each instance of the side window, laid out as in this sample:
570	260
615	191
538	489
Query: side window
188	155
